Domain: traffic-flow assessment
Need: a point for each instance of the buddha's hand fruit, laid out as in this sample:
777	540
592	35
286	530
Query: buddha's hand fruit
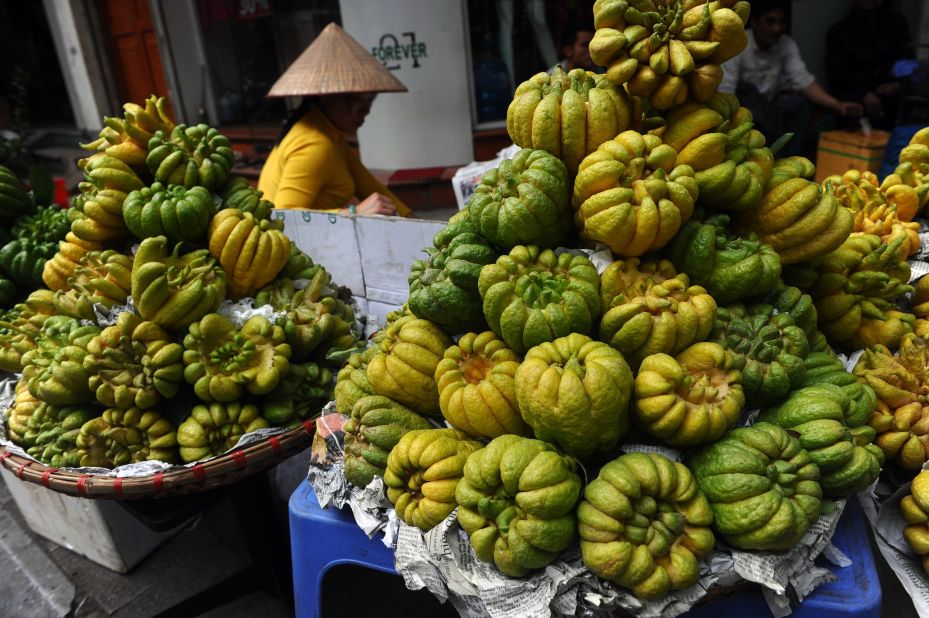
516	502
477	389
134	364
644	524
173	211
691	399
251	251
631	195
574	392
215	428
524	201
403	367
223	362
119	437
533	295
175	290
915	509
423	471
763	487
376	425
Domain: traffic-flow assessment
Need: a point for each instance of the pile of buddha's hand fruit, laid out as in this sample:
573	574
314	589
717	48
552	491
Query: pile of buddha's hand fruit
32	226
725	280
159	221
507	387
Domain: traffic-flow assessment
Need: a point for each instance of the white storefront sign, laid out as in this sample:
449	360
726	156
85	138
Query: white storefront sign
424	44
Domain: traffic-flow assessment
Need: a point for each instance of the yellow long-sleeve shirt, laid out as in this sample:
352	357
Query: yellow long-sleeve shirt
314	168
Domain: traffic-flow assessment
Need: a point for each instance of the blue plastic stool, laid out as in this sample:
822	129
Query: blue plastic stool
321	539
856	592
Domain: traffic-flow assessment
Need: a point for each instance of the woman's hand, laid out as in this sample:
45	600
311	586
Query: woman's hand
848	109
376	204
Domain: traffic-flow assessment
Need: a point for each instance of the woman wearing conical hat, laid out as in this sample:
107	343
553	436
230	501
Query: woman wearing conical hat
312	166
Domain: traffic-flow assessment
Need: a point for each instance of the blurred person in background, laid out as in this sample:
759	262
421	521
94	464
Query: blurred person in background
771	79
312	165
575	46
861	50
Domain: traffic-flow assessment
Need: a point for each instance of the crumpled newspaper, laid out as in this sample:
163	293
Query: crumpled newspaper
601	256
881	506
106	316
240	311
918	269
442	561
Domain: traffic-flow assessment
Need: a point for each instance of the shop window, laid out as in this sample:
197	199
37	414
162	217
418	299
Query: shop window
511	40
250	43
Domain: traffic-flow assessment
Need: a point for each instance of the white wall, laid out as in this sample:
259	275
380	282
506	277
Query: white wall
430	125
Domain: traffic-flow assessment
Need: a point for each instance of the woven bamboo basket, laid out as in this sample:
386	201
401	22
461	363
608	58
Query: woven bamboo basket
203	476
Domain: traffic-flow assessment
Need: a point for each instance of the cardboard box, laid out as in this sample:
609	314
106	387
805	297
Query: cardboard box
100	530
840	151
371	256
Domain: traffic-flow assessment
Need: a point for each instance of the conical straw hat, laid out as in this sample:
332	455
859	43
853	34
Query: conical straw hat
334	63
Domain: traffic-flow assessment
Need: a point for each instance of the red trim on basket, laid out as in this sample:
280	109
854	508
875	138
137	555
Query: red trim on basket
199	472
45	475
239	458
309	426
118	486
275	443
5	455
82	484
19	471
158	480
